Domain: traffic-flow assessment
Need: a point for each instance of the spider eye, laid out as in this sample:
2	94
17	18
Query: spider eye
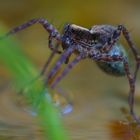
95	36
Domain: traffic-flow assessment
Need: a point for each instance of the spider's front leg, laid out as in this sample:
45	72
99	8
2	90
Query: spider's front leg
63	58
66	70
53	33
130	77
54	51
58	63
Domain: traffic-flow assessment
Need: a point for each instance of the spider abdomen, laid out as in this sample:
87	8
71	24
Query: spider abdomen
114	68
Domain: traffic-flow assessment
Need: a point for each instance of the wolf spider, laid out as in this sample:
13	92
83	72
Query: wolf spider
99	43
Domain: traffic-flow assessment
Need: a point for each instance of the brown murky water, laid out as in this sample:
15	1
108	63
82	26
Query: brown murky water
97	98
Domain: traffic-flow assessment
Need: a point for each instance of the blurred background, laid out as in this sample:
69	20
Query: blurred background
97	97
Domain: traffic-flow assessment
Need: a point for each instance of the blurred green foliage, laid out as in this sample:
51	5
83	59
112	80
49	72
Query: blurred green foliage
23	72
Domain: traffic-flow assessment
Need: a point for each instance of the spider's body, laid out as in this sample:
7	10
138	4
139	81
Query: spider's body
99	43
91	42
87	41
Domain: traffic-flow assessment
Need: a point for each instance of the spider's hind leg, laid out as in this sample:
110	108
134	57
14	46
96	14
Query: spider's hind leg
130	77
132	81
132	46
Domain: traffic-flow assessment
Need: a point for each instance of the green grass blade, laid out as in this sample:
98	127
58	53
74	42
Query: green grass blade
23	72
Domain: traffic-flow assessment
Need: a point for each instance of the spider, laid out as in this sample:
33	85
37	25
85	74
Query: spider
99	43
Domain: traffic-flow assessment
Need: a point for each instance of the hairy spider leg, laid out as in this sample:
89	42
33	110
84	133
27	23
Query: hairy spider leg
133	48
66	70
130	77
68	108
58	63
122	29
48	27
126	35
52	31
54	51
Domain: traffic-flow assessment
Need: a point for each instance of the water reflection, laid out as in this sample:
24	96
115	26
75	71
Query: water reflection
96	110
14	122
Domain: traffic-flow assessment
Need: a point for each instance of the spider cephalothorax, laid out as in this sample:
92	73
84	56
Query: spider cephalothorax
87	40
99	43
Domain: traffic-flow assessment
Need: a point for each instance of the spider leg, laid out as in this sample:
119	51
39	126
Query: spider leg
66	70
62	59
67	60
48	27
130	77
54	51
134	49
